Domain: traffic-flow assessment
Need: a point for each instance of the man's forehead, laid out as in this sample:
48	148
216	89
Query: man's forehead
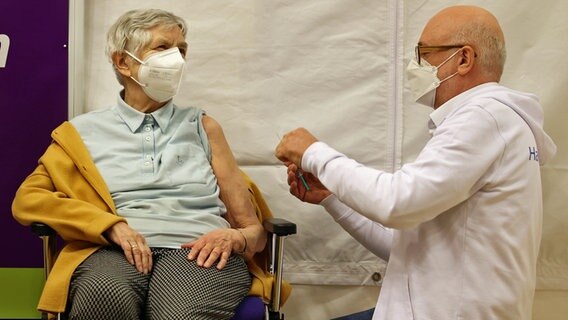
435	33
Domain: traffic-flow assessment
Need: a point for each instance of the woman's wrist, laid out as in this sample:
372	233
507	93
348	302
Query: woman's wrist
244	250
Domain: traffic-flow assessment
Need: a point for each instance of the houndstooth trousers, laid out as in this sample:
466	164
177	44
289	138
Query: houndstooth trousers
106	286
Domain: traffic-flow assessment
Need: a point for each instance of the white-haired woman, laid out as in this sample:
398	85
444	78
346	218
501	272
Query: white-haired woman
154	210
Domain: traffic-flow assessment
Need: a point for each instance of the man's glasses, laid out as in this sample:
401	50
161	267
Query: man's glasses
421	50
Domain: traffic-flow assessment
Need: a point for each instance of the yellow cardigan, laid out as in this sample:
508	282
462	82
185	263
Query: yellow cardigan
66	192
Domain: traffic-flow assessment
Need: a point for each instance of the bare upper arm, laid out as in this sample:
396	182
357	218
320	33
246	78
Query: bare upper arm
234	192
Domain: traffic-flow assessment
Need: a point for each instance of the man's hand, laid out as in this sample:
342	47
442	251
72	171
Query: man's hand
293	145
317	191
133	244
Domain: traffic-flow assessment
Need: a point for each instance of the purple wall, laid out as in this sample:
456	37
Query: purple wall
33	101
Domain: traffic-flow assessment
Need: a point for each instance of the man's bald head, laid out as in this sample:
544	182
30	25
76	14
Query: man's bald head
474	26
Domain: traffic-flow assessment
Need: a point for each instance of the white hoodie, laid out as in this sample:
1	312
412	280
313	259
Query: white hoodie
462	223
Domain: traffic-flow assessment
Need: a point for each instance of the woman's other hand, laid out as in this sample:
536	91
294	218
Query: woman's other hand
133	244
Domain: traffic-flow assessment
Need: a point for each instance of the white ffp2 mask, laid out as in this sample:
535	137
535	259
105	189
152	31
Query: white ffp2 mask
160	74
423	80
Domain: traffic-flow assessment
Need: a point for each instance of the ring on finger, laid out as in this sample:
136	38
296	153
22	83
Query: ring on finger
133	245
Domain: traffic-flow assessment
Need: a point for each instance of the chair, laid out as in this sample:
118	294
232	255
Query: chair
270	260
251	308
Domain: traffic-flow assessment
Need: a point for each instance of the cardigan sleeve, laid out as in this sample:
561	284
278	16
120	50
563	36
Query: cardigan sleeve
58	194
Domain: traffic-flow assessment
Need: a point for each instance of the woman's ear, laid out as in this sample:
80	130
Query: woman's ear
467	60
120	64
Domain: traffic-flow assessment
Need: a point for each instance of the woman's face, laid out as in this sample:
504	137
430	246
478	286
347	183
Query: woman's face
162	39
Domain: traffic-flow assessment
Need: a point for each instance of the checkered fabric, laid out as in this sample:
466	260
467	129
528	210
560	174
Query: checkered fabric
106	286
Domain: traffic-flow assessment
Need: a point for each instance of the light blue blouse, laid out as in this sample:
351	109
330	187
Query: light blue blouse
157	168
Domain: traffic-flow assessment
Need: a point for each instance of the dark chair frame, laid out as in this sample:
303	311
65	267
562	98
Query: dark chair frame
276	228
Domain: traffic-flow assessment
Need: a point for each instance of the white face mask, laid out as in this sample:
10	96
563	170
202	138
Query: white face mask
423	80
160	74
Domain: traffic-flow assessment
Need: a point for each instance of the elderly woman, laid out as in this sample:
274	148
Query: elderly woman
154	210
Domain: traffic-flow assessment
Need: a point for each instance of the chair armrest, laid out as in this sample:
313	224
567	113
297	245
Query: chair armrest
49	238
279	227
42	229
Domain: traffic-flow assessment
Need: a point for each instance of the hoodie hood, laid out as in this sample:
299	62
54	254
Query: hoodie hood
527	106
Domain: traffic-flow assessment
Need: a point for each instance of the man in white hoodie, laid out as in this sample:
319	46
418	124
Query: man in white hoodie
461	225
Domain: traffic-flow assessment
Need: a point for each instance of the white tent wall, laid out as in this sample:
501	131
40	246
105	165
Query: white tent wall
336	67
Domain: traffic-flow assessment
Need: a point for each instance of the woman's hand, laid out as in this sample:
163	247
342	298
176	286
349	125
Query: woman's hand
217	245
317	191
133	244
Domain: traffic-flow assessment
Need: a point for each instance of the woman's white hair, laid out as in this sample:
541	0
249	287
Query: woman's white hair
131	31
489	47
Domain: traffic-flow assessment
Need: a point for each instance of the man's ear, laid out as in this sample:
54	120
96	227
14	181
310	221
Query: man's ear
467	60
120	64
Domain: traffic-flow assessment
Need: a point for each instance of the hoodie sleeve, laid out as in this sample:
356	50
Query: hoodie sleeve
448	170
373	236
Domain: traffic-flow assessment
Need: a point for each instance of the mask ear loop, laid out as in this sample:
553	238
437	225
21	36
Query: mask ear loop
136	58
139	61
443	62
448	78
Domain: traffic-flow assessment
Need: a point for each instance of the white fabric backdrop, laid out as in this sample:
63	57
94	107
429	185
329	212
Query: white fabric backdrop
336	67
